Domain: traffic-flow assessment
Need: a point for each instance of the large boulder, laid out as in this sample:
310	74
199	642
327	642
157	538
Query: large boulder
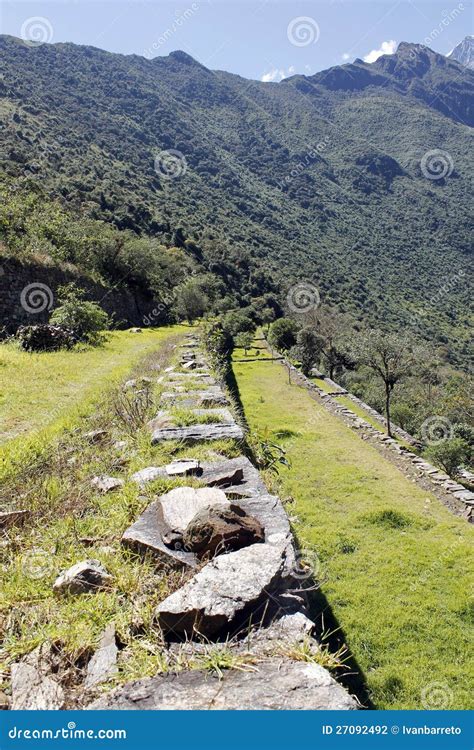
275	684
88	575
225	593
181	504
221	528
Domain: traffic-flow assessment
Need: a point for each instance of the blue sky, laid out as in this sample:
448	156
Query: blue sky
260	39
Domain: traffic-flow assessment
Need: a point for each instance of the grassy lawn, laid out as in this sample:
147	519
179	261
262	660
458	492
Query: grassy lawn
395	565
36	389
41	394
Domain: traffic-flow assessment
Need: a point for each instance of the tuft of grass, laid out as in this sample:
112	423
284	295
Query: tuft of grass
217	658
312	653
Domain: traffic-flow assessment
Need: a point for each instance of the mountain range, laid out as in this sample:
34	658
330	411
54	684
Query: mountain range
356	179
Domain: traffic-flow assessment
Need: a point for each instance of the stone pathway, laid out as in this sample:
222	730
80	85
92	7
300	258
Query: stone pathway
248	598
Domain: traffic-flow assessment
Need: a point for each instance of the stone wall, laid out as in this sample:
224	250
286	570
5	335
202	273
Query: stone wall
453	494
28	294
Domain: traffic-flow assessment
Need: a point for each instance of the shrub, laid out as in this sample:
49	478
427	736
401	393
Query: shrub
235	322
45	337
449	455
282	334
85	318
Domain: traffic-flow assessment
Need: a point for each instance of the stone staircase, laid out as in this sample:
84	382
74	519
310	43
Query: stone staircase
250	597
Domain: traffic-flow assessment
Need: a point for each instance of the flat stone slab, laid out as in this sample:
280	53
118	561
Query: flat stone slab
149	474
179	468
103	664
146	535
276	684
225	593
199	432
183	467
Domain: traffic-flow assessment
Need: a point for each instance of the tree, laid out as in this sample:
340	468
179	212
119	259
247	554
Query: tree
282	334
244	340
267	316
308	347
191	301
449	455
236	322
86	319
332	329
391	356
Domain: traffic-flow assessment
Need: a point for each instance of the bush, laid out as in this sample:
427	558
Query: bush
235	322
45	338
86	319
449	455
282	334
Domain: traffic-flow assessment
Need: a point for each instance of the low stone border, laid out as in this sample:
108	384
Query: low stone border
454	495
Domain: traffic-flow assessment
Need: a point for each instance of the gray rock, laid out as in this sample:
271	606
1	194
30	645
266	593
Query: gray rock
183	467
224	477
221	528
13	518
84	576
33	687
106	484
231	588
149	474
197	433
189	365
147	535
103	664
180	505
276	684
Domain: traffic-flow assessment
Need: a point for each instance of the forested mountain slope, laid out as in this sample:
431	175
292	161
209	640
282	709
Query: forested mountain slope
328	178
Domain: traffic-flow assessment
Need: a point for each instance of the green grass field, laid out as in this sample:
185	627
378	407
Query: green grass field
395	565
42	394
36	389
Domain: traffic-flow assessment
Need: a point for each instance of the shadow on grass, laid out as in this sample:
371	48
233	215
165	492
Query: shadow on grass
329	631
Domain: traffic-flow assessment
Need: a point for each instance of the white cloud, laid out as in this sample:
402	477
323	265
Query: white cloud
346	56
386	48
278	74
